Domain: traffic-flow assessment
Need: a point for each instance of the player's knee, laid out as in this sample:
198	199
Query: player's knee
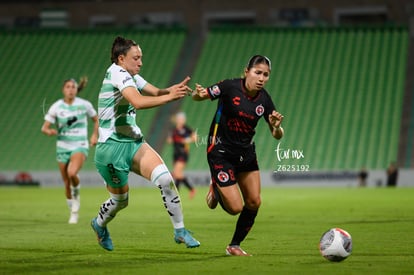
72	175
120	201
253	203
232	209
161	177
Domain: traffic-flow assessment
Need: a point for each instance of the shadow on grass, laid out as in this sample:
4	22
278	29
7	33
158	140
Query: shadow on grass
72	260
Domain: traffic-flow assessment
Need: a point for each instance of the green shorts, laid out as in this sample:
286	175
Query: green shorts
64	157
113	159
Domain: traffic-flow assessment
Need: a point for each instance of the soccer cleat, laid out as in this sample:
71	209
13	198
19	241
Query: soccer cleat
74	216
211	198
102	234
182	235
235	250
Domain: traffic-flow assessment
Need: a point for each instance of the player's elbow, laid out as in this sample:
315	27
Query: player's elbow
139	104
44	130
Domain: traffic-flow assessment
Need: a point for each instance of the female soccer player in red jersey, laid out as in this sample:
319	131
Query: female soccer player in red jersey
231	154
181	136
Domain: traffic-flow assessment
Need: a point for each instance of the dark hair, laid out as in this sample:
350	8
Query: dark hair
258	59
82	82
121	46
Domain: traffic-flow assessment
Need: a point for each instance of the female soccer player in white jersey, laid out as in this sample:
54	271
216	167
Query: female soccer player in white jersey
70	116
121	147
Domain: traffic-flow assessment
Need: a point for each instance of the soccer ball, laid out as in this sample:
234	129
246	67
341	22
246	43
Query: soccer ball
335	245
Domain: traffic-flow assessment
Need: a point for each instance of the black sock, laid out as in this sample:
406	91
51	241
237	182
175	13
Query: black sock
177	183
187	184
243	226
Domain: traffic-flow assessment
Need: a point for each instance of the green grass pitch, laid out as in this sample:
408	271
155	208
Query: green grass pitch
35	236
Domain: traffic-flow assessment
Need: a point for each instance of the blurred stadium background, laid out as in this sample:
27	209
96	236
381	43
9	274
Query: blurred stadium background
342	74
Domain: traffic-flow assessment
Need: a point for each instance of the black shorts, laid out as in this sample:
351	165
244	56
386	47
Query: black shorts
180	156
225	164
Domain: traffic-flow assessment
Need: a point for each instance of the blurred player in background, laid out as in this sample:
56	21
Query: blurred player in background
181	136
231	151
70	115
392	174
121	147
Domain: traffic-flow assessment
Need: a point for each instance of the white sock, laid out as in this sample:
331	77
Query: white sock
110	207
75	192
73	205
162	178
69	203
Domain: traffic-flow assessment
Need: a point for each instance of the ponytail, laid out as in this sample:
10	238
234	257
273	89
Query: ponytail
82	82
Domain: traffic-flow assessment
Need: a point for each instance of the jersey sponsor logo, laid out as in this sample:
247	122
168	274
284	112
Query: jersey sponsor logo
236	100
215	90
128	78
238	125
259	110
71	120
246	115
223	176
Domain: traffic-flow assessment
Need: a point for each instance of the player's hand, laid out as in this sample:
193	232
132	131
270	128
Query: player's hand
93	140
275	119
180	90
200	91
52	132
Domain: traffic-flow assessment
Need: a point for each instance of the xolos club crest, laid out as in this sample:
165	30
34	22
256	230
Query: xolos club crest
260	110
223	176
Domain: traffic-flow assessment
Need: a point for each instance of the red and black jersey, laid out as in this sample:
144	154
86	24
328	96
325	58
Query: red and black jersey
179	137
237	113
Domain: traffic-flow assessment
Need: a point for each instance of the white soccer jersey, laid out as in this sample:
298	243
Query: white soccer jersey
116	115
71	122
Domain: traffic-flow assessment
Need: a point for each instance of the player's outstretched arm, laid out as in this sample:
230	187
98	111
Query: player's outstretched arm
151	90
140	101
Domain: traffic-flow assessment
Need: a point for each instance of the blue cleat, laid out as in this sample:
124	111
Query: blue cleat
182	235
102	234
